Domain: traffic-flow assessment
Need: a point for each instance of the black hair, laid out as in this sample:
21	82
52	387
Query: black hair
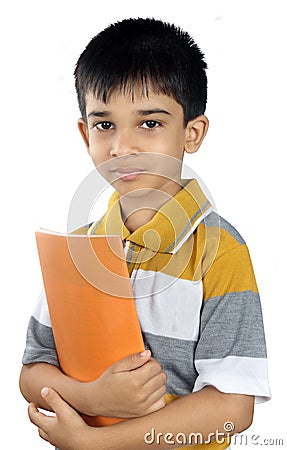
148	53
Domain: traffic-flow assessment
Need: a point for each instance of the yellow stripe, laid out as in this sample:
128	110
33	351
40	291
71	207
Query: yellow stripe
81	230
236	272
223	267
169	225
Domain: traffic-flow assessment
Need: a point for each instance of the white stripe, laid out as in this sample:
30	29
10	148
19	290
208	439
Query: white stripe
126	248
235	374
194	226
41	312
167	306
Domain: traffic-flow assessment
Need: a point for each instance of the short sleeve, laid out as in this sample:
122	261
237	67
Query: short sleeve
40	344
231	350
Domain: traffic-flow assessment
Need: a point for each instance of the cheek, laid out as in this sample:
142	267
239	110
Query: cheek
173	143
99	152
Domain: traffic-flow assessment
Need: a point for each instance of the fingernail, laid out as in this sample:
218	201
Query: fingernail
144	353
44	391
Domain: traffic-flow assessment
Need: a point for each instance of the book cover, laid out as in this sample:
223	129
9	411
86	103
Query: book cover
91	305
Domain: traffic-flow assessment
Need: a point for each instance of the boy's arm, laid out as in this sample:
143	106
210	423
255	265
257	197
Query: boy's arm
206	414
131	387
35	376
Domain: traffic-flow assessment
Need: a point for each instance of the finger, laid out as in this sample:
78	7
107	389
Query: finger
156	382
157	400
149	370
36	417
43	434
55	401
132	362
61	408
156	406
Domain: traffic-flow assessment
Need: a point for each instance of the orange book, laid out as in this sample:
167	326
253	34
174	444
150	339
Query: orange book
91	305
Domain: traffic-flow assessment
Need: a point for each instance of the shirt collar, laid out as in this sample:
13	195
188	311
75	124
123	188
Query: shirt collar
170	227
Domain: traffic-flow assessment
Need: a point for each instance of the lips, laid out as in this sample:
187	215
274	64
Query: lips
127	173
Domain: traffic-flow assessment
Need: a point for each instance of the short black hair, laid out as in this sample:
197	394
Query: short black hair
148	53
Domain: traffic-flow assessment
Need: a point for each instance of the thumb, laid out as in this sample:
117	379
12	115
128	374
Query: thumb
53	399
132	362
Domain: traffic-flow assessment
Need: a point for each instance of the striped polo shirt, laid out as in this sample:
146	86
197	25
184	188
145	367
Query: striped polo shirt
196	299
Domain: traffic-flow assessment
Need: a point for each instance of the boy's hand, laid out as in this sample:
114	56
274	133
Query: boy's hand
131	387
66	430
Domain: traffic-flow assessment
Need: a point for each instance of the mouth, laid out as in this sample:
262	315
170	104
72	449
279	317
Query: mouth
127	173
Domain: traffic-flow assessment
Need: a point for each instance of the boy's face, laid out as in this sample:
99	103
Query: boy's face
137	144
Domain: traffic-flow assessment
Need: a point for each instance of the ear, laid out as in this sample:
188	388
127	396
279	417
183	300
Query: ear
83	128
195	132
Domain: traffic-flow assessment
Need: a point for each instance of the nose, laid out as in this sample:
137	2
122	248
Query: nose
124	144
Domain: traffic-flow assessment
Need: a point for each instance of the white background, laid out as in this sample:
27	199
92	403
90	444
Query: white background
43	159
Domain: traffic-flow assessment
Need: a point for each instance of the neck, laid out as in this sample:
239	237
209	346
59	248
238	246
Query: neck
139	218
139	210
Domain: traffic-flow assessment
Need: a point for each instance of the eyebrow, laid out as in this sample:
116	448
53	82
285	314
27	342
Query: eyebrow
148	112
99	114
139	112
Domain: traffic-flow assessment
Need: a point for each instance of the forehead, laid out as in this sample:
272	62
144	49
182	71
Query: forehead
132	101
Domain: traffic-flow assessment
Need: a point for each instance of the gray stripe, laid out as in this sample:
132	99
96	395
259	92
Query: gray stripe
40	344
214	220
176	359
232	325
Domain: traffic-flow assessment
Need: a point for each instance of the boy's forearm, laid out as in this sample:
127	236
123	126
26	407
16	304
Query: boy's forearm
35	376
132	386
203	413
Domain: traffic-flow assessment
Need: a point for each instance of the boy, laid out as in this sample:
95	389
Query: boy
142	93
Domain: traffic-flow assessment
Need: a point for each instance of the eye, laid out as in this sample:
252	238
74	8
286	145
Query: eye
104	126
150	124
